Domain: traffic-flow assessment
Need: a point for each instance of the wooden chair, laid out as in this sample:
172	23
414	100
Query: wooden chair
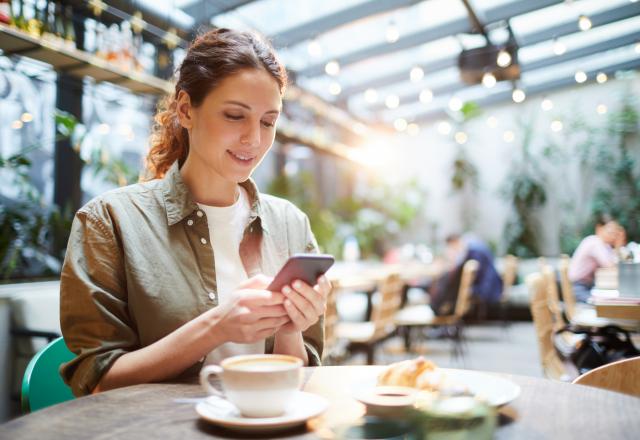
333	349
552	365
622	376
553	298
367	335
568	296
421	316
509	275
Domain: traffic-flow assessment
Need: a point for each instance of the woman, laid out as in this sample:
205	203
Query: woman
593	252
165	275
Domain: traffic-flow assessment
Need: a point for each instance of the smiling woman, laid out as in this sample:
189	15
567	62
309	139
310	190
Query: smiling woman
142	297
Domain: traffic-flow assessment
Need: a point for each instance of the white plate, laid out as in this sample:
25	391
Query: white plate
495	390
303	407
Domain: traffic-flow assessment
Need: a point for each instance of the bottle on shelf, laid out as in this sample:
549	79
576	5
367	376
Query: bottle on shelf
100	49
35	22
5	11
69	31
18	19
58	20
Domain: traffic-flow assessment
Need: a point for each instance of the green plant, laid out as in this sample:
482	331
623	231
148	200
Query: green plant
32	229
524	188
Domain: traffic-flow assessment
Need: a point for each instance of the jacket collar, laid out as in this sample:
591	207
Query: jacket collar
179	203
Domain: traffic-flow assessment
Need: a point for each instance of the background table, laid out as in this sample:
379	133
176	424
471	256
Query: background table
545	410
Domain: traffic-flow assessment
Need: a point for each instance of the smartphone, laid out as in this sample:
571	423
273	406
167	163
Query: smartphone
304	267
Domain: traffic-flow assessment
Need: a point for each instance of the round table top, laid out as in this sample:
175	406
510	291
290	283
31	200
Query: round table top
545	409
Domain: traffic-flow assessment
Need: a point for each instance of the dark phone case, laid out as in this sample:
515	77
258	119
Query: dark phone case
305	267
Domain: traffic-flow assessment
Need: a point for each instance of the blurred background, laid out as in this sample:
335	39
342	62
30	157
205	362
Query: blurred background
409	126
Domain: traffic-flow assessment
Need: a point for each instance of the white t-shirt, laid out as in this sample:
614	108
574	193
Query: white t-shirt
226	227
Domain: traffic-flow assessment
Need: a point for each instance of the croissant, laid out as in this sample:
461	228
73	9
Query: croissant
406	373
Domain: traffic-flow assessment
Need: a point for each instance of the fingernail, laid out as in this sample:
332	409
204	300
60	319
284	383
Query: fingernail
297	284
286	290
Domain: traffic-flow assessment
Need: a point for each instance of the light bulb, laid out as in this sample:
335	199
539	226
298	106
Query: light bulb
601	109
559	47
455	104
504	58
461	137
508	136
488	80
332	68
416	74
546	104
444	127
556	126
314	48
371	96
518	96
392	101
492	121
601	77
580	77
426	96
335	89
392	34
400	124
584	23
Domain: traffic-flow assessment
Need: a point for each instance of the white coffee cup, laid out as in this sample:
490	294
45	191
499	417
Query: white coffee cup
259	385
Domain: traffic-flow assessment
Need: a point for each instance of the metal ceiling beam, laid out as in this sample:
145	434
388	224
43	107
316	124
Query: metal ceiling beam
537	89
456	86
604	18
459	26
620	13
213	8
311	29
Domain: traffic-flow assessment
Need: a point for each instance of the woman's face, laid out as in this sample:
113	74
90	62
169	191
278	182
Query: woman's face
234	127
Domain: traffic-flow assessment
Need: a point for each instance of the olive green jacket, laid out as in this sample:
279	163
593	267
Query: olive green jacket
139	265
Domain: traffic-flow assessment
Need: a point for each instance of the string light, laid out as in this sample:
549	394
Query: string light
392	101
444	127
489	80
416	74
518	96
508	136
335	89
559	47
392	34
584	23
371	96
426	96
455	104
580	76
171	38
461	137
556	126
314	49
413	129
17	124
400	124
601	77
332	68
601	109
137	23
504	58
546	104
26	117
97	6
492	121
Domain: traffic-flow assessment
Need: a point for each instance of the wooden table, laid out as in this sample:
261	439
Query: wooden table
545	410
615	310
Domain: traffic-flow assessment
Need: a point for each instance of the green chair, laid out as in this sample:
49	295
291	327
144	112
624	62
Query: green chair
42	384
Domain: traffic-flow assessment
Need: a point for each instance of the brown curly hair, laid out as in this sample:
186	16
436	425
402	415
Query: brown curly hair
211	57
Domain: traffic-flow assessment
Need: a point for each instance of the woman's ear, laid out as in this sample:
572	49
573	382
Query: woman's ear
184	109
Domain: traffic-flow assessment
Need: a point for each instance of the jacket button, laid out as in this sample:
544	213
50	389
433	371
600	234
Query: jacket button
203	240
199	213
190	222
212	296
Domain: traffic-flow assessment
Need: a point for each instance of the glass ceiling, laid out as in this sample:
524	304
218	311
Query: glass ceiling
383	40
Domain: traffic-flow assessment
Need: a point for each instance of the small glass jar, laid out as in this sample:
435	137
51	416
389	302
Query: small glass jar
458	418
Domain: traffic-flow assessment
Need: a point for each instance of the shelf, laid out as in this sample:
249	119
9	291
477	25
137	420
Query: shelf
77	63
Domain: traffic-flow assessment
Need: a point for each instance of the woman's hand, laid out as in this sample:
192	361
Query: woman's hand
252	314
304	304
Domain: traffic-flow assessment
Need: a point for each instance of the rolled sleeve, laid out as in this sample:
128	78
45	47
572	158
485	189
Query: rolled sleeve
94	314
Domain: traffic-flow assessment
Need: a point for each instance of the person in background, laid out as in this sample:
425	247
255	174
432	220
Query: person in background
165	275
593	252
487	286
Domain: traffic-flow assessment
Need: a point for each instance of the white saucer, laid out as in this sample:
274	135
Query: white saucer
222	412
